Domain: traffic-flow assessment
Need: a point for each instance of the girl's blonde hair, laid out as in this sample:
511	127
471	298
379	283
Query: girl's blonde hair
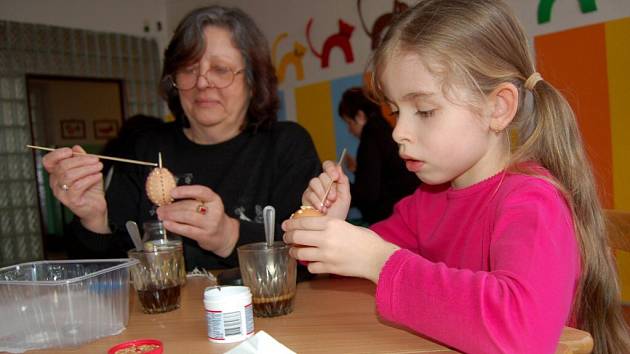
479	45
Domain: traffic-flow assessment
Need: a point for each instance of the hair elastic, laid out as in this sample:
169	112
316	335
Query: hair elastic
532	80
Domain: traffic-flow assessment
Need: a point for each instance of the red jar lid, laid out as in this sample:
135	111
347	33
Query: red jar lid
138	346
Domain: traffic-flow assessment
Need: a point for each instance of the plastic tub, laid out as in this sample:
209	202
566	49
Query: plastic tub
62	303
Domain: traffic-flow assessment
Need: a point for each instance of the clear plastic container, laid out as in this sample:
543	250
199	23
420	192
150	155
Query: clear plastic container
62	303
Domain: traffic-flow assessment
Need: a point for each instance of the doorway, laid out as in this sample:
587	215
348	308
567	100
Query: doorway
67	111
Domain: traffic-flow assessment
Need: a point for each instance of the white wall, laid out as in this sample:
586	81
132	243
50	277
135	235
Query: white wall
277	16
274	17
120	16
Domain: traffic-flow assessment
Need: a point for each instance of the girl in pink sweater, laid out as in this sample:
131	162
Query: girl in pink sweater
504	243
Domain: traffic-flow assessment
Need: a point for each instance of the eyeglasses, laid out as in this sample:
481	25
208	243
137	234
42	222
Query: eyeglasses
217	76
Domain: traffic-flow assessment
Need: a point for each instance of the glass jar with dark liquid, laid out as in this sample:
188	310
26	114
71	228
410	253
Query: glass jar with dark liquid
156	238
160	272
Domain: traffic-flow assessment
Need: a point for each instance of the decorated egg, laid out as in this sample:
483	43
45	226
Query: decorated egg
306	210
159	184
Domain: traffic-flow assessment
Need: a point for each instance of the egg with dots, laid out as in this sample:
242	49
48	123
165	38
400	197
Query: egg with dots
159	185
305	211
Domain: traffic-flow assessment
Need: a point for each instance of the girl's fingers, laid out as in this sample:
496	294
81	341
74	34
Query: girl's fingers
304	231
305	223
310	198
330	169
317	268
316	186
309	254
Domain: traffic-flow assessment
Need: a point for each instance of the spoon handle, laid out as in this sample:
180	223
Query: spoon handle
269	219
134	232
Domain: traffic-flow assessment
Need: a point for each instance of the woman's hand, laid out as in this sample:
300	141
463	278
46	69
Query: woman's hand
337	202
335	246
77	181
198	214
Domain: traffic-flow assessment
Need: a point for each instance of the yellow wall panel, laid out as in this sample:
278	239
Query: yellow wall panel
313	104
623	267
618	54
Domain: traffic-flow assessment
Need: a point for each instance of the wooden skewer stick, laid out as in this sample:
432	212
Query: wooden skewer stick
343	154
99	156
160	166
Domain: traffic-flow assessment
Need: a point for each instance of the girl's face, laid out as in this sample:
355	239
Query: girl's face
222	110
440	141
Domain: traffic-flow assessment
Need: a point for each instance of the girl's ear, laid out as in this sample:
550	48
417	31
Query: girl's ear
504	104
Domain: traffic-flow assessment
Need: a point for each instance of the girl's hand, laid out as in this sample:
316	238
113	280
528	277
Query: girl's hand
337	202
335	246
77	181
198	214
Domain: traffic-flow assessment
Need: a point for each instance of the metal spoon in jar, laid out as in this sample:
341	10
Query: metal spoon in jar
269	219
134	232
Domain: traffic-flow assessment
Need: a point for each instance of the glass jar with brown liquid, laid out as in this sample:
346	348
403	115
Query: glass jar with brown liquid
157	278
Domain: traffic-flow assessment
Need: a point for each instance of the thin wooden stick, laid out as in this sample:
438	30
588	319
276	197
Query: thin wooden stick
343	154
160	166
99	156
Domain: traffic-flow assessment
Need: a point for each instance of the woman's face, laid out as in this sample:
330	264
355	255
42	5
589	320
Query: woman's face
221	111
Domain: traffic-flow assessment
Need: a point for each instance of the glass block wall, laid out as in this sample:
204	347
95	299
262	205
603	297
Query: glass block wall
47	50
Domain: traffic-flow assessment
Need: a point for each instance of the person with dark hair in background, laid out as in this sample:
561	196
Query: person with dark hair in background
220	85
380	176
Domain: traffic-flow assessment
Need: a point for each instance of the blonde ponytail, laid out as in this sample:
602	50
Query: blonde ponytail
556	144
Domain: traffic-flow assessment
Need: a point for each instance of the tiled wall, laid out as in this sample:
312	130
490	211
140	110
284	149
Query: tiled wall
47	50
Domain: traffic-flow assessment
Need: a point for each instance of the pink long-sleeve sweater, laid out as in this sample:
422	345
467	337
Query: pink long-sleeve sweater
491	268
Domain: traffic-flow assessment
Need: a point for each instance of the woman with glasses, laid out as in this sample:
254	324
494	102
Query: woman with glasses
230	155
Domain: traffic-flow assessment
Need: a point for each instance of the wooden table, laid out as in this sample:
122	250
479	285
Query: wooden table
331	315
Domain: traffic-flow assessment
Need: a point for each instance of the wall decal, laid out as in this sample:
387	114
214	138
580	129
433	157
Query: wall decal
382	22
545	6
293	57
340	39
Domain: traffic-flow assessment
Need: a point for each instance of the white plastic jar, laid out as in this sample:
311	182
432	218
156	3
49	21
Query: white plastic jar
229	313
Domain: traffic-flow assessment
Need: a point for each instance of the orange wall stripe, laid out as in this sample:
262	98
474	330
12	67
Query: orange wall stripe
574	61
